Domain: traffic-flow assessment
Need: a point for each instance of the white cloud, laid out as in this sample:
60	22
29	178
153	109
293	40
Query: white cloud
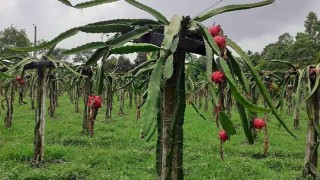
257	44
5	5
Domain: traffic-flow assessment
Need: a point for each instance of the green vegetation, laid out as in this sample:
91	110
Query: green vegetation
163	83
301	50
117	152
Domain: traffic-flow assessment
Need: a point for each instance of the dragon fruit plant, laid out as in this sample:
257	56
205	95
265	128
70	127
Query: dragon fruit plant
165	98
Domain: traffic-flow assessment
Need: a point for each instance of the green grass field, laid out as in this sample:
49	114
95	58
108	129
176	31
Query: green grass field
117	152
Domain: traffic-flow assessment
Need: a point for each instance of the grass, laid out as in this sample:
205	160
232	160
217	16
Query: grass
117	152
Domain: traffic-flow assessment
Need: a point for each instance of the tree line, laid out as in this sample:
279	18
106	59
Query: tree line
13	36
301	50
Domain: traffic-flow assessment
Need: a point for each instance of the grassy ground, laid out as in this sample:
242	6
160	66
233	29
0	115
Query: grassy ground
117	152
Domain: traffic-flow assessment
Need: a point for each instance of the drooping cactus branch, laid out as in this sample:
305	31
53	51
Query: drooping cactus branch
313	111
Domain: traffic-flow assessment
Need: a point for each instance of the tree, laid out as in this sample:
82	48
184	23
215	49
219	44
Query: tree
255	58
12	36
278	50
58	55
285	39
82	57
306	47
312	24
110	64
141	57
304	50
123	64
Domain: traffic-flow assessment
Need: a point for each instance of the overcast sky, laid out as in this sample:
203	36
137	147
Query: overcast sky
251	29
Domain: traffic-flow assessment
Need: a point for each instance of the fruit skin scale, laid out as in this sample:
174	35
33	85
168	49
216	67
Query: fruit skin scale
221	41
215	30
218	77
259	123
94	101
223	135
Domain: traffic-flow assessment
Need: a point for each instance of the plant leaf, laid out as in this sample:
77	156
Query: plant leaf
238	72
87	3
315	87
297	94
63	64
139	47
171	31
236	93
209	59
196	109
208	73
5	75
100	78
142	65
59	38
259	82
151	11
285	62
245	123
151	106
21	63
209	14
86	47
168	67
141	72
134	34
92	3
226	123
96	56
129	22
66	2
109	28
